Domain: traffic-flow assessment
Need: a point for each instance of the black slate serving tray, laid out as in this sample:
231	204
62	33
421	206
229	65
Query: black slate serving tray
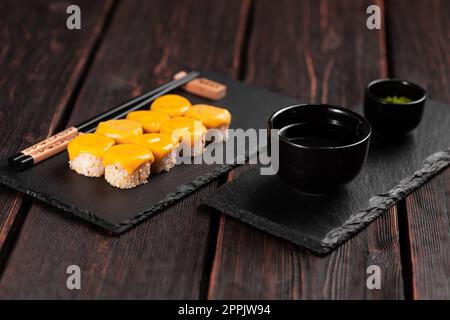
321	223
118	210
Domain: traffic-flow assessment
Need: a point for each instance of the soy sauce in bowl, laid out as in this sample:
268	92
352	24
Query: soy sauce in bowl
318	135
321	147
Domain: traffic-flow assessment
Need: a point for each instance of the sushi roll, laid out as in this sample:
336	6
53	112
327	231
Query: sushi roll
190	133
150	120
86	152
164	148
127	165
122	131
213	118
171	104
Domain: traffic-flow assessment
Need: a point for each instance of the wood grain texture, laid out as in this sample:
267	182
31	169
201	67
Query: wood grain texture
41	64
420	48
428	223
420	44
316	51
151	261
164	257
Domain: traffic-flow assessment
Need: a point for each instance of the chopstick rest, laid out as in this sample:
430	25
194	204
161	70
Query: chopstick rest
203	87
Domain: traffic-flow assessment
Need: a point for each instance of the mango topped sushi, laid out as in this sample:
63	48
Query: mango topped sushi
171	104
164	148
190	133
127	165
86	152
122	131
213	118
150	120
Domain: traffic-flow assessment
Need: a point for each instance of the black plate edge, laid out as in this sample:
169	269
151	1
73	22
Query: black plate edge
86	215
171	198
379	204
184	190
266	225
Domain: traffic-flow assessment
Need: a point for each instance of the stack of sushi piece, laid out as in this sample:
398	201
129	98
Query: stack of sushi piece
127	151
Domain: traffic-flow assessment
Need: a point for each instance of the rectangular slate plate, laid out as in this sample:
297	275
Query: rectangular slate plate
322	223
117	210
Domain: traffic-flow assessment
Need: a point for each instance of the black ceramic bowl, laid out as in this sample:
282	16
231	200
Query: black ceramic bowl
321	147
390	119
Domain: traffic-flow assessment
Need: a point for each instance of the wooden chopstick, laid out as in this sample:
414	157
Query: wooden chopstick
58	142
135	103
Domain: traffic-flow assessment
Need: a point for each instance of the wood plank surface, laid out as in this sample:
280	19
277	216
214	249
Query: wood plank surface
164	257
316	51
420	50
41	64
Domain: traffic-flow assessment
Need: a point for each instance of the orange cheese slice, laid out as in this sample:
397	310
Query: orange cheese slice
184	129
160	144
150	120
122	131
210	116
128	156
171	104
91	143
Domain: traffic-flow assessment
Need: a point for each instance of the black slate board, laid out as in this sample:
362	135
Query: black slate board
322	223
118	210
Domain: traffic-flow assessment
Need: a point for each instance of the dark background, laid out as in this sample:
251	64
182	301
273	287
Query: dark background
315	51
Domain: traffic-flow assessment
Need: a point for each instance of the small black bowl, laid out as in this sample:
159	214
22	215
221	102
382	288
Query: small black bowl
390	119
321	147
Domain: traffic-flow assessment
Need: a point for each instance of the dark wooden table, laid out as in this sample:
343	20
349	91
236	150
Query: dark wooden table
316	51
